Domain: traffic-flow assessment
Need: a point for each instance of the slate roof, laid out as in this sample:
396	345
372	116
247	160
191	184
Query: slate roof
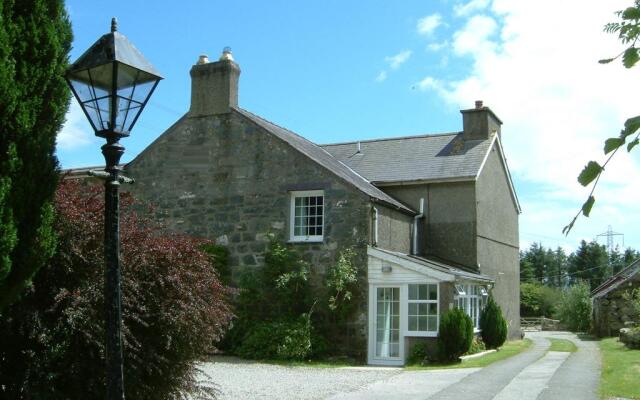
322	157
414	158
616	280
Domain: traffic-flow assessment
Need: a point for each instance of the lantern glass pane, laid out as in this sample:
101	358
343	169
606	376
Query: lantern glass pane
134	88
98	111
102	77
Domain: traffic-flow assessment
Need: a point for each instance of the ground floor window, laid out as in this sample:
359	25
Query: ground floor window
471	299
423	308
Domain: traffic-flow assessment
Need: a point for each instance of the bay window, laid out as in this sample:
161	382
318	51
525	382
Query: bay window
471	300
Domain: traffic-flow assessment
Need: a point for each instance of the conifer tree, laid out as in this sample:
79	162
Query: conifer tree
35	39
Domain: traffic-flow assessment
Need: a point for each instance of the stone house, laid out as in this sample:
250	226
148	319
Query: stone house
433	218
610	309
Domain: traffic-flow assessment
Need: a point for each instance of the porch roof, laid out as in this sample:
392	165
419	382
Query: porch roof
427	266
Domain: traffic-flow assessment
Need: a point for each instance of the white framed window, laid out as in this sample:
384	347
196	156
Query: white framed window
307	216
471	300
422	309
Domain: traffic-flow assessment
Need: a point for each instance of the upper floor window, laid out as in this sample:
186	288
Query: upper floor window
423	308
307	216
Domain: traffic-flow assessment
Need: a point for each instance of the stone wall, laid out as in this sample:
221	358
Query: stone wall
610	312
223	177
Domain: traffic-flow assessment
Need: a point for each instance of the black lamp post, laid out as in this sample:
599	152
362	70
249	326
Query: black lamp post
112	81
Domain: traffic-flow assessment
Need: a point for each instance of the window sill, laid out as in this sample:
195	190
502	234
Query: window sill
420	334
310	240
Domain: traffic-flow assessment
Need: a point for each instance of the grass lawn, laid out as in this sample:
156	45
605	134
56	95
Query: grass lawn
620	370
509	349
563	345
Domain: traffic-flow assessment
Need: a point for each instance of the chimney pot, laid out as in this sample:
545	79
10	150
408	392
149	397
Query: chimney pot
203	59
478	103
226	54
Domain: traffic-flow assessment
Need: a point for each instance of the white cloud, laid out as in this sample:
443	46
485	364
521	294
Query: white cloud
558	106
382	76
475	36
437	46
396	61
429	83
464	9
76	131
427	25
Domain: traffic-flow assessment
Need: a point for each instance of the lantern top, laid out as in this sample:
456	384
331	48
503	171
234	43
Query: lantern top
113	47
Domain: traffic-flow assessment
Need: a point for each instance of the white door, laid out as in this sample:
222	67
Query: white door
387	348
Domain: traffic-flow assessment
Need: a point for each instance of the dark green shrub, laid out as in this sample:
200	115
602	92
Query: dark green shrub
417	354
455	335
282	340
220	259
493	326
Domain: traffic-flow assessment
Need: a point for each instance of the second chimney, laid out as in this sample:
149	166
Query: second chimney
214	85
479	123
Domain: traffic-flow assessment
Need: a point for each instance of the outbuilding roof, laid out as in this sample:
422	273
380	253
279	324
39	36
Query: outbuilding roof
438	157
616	280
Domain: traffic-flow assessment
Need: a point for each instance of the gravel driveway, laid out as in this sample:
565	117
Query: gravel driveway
240	380
533	374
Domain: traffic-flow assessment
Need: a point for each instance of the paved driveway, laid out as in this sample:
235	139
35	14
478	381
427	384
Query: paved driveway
534	374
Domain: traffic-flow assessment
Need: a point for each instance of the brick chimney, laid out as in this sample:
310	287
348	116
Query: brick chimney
214	85
479	123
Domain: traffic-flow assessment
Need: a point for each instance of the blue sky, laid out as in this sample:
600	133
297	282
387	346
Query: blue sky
343	70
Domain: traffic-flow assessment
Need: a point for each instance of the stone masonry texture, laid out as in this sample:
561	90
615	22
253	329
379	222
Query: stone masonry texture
223	177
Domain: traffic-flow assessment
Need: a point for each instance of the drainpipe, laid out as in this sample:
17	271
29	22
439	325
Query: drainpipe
415	227
375	226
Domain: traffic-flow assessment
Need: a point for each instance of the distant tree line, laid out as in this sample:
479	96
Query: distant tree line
590	263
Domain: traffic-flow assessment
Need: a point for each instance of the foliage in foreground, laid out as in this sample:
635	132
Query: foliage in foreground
620	367
575	308
455	334
35	39
493	326
174	309
628	30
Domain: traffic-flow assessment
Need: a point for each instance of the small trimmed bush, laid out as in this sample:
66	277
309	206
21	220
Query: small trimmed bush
282	340
455	336
417	354
493	325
